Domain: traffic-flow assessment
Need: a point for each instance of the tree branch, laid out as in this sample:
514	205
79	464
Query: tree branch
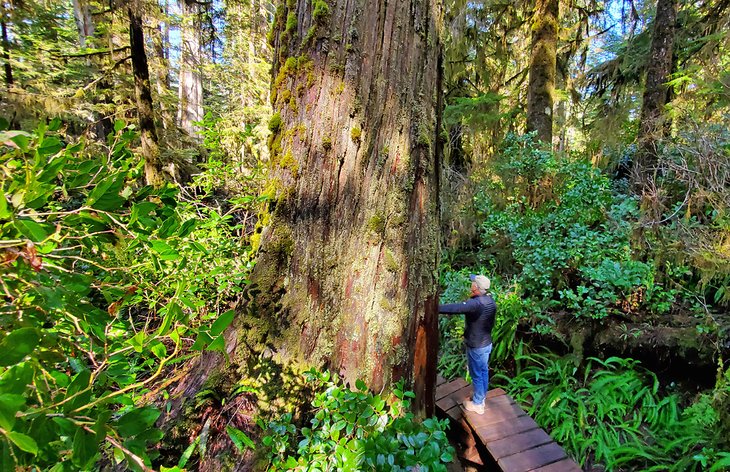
96	53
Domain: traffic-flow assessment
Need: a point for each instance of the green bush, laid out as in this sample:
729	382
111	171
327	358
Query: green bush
105	284
357	430
567	236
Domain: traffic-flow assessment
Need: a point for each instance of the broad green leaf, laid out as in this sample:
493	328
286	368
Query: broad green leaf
80	383
54	125
84	449
50	145
188	453
222	322
5	212
10	404
361	385
17	345
240	439
169	227
119	125
201	341
158	349
218	344
137	420
105	196
137	341
187	228
20	138
32	230
25	443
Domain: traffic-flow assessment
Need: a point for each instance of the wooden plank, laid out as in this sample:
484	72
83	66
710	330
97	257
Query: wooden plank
565	465
498	413
455	413
455	398
449	388
440	380
496	392
518	443
458	396
503	429
532	458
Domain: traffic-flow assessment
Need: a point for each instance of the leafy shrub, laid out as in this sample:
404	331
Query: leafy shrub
611	412
567	235
105	282
356	430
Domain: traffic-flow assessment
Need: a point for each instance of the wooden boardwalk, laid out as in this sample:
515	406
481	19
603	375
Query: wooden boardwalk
503	438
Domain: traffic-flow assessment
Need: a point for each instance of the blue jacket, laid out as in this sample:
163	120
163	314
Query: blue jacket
480	312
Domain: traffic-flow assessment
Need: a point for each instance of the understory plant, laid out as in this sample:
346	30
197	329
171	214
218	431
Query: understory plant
357	430
613	412
106	284
565	234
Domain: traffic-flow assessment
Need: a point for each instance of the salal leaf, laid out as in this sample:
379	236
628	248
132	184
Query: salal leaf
24	443
17	345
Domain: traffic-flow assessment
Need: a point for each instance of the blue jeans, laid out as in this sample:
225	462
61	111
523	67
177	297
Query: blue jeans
478	361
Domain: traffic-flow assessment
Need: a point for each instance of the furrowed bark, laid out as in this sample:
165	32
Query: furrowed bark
348	266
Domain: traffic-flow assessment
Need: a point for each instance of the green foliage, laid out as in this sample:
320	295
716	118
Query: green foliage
474	111
612	412
105	282
357	430
568	235
275	123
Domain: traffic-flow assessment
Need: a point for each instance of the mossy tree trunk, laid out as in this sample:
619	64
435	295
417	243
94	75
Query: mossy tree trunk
541	87
143	94
348	262
6	51
656	91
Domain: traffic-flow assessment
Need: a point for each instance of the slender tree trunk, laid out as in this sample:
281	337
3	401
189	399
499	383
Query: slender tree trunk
160	41
143	93
190	84
656	92
6	54
84	21
542	70
347	269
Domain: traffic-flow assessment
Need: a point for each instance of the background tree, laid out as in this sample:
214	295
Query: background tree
190	82
659	68
541	88
143	94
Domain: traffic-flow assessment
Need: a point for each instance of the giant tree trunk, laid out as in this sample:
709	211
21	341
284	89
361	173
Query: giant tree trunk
190	85
145	110
656	91
348	265
542	69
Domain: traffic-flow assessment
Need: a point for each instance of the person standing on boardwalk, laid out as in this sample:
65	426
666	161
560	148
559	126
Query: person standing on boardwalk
480	311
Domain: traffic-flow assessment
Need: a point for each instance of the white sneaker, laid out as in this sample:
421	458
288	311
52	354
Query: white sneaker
471	406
